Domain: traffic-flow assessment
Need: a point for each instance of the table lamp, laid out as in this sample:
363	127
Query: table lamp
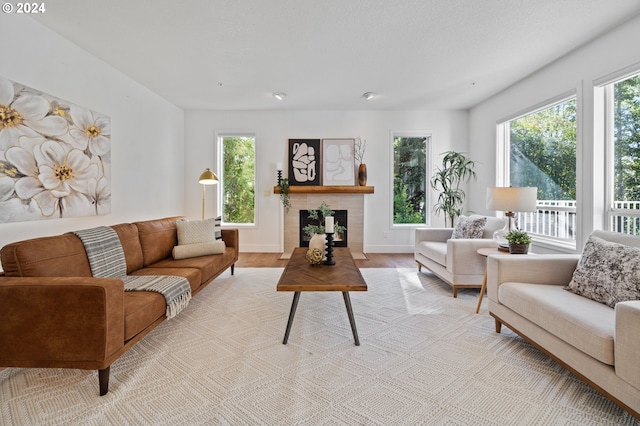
510	200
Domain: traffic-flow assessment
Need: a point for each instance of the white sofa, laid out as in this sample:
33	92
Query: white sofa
455	261
599	344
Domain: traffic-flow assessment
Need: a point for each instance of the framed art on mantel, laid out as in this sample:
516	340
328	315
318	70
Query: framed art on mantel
338	162
304	162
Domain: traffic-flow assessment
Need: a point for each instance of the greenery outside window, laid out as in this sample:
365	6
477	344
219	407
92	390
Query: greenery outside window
622	136
236	154
410	175
538	149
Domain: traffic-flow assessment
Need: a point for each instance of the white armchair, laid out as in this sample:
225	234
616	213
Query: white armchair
455	261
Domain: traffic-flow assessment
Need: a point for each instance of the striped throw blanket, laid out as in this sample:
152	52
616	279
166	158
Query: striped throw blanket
106	259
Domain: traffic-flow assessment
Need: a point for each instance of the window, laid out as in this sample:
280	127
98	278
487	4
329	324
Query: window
410	178
622	108
236	154
539	149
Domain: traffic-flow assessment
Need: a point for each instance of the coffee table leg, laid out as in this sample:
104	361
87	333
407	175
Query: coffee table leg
347	302
292	313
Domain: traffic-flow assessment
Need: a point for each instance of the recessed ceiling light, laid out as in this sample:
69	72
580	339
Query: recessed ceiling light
369	95
279	95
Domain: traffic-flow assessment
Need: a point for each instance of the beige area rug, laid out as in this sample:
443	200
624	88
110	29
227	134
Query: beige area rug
425	358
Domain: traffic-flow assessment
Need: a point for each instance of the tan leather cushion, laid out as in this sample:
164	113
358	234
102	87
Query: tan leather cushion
128	234
157	238
58	256
141	309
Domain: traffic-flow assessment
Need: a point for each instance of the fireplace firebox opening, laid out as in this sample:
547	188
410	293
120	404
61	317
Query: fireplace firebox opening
339	238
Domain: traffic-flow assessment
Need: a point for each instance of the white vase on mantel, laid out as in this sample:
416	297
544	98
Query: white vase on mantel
319	241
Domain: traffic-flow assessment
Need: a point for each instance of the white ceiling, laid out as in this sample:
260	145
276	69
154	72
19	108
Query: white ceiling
416	54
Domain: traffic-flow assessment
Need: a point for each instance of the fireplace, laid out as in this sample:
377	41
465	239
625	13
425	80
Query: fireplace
339	238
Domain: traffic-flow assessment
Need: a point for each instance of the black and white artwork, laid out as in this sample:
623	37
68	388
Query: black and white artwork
304	162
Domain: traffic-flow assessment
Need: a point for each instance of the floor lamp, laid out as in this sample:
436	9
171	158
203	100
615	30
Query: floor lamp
206	178
510	200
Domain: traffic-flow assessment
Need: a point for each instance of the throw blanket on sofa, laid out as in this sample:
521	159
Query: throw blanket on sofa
107	260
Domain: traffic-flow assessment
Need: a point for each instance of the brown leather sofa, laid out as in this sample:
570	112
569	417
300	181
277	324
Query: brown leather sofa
54	314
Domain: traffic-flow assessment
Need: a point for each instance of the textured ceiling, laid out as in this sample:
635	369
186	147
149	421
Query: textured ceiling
324	54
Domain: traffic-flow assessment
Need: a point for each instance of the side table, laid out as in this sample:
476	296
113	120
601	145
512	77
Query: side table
486	252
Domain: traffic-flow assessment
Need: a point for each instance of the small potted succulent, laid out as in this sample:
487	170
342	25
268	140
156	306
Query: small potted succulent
518	241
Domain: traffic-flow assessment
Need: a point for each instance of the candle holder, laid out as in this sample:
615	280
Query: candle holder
329	260
279	177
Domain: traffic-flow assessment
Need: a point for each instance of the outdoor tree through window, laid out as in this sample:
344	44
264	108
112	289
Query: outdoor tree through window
624	107
540	151
237	153
409	179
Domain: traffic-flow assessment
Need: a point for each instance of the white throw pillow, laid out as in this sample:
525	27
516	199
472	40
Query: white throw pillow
469	227
607	272
201	249
196	231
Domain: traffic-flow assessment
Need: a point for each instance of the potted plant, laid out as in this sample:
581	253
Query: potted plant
518	241
456	168
323	211
283	184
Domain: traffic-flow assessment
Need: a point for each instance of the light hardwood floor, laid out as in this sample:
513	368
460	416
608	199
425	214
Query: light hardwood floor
374	260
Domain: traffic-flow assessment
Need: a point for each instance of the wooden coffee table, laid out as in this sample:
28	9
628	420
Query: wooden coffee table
300	276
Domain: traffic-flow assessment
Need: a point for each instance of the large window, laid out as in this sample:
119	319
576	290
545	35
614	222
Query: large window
539	149
410	178
237	162
622	107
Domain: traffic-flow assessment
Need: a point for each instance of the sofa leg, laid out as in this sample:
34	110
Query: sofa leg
103	379
498	326
232	268
455	292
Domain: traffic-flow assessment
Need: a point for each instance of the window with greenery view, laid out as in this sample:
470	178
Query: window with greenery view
237	156
623	108
540	151
410	179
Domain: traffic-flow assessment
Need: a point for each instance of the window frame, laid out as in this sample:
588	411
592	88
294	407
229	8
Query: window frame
503	167
220	136
604	112
428	134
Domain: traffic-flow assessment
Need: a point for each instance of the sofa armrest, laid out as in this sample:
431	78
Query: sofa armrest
535	269
433	234
627	342
463	257
231	238
73	322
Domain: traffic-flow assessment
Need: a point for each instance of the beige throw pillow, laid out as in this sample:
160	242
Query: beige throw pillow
201	249
196	231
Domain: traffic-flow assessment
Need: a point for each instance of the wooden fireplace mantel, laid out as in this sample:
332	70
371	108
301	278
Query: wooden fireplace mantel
305	189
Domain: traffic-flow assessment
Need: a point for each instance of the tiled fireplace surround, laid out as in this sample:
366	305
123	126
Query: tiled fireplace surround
353	203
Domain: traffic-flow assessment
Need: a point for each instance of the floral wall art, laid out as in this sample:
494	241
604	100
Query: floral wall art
55	157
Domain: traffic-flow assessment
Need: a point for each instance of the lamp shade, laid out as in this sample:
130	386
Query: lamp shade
512	199
208	177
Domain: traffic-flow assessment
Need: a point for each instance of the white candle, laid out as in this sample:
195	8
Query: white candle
328	224
279	166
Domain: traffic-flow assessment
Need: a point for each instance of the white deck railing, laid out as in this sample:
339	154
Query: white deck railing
557	218
554	218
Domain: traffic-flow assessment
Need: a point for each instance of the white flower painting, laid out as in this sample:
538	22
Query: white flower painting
55	157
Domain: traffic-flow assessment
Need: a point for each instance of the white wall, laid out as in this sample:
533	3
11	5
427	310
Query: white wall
147	132
273	129
577	71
